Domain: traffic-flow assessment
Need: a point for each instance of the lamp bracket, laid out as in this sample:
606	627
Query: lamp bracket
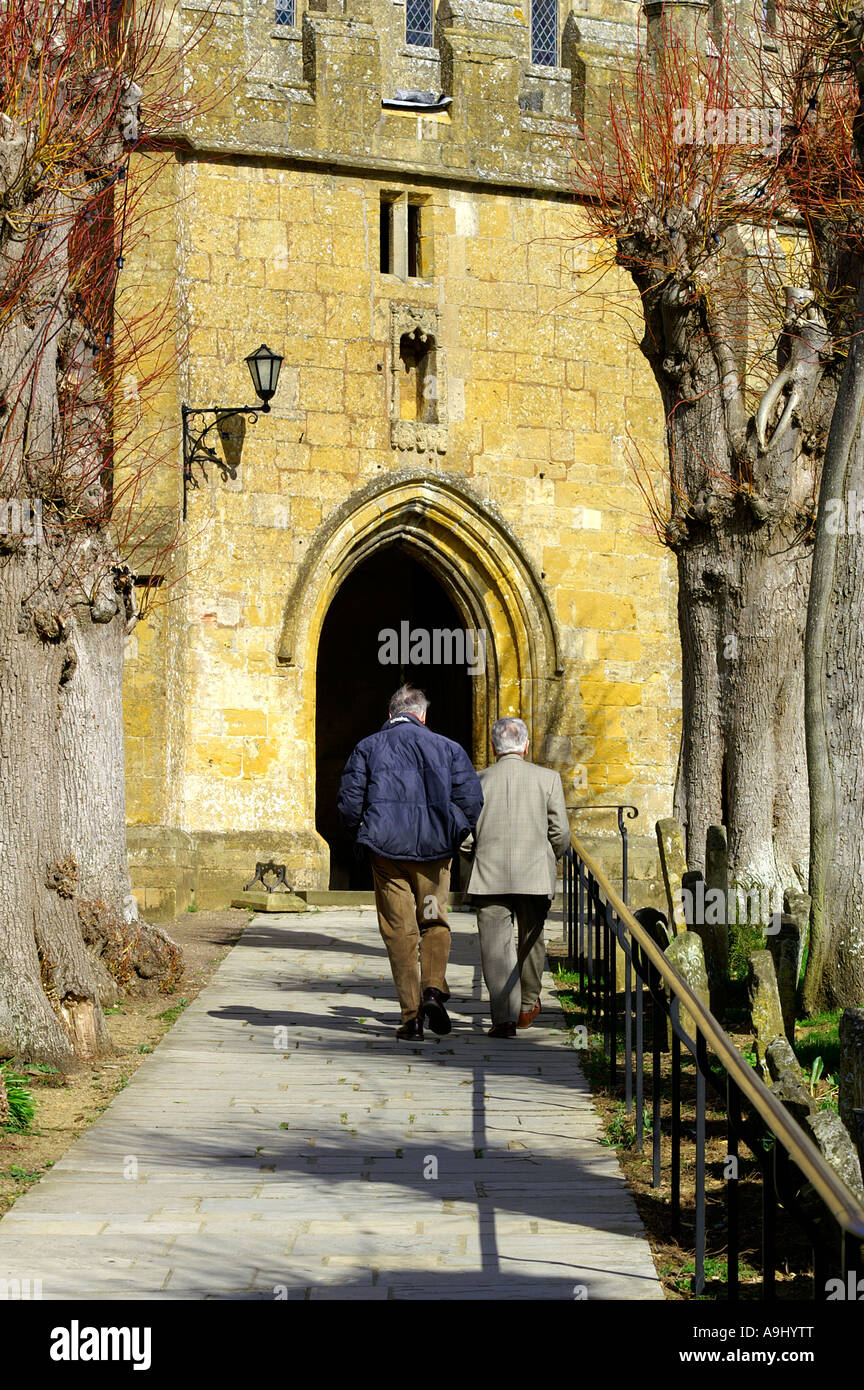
197	452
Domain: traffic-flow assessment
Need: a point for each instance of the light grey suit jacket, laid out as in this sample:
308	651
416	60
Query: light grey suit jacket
522	829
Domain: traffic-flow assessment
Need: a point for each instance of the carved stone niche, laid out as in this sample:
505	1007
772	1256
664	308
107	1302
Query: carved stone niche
418	381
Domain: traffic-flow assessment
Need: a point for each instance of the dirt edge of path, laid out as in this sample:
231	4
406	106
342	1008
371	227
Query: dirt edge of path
67	1105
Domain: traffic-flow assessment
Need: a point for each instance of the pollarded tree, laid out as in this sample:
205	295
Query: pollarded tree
829	42
682	182
72	79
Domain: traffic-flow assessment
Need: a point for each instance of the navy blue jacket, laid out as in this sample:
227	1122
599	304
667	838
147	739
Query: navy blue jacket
408	793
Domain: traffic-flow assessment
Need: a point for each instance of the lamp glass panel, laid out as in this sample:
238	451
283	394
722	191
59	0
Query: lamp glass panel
264	365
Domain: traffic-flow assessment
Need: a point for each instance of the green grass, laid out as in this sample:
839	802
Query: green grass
171	1015
743	938
24	1174
621	1128
21	1108
819	1037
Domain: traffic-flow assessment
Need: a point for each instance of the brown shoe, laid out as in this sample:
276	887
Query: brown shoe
527	1017
411	1030
502	1030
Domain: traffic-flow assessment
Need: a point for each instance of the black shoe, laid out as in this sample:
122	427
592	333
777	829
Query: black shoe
432	1009
502	1030
411	1030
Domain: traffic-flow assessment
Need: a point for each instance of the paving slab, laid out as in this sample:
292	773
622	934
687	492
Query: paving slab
280	1143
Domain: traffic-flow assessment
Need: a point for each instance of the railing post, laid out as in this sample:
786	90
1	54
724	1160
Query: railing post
733	1116
675	1179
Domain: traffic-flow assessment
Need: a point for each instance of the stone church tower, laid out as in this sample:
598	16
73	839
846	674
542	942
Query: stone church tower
381	194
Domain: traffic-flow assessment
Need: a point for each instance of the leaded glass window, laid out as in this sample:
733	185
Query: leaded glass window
418	22
544	33
284	11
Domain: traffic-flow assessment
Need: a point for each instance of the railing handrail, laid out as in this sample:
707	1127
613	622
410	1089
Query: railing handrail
842	1204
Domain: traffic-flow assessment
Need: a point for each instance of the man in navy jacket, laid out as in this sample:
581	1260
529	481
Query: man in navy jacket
411	797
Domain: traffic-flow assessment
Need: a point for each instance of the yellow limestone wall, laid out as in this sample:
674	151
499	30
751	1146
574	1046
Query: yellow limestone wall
531	500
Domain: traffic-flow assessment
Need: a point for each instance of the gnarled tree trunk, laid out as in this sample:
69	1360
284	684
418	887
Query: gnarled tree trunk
69	934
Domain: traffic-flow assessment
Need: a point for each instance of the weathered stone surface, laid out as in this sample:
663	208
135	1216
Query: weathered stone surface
797	906
851	1071
837	1148
765	1010
785	948
789	1084
673	863
688	957
275	218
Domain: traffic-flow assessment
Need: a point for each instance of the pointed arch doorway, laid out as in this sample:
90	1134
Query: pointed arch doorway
357	673
467	554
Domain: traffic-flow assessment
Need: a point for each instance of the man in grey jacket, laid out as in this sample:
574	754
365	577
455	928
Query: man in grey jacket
521	833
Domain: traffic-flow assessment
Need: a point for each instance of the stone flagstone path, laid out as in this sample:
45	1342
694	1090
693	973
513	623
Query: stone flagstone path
280	1143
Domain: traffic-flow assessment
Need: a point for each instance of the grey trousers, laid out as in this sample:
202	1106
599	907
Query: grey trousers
512	979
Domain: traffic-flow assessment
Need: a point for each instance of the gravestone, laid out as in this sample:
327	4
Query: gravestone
673	862
688	957
788	1081
797	906
765	1010
851	1069
785	948
837	1149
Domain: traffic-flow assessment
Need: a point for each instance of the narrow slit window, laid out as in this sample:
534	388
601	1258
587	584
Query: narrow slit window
386	236
418	23
544	33
285	12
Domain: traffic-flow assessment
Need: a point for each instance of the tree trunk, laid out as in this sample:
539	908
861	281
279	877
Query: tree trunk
739	512
69	933
741	610
835	707
49	1003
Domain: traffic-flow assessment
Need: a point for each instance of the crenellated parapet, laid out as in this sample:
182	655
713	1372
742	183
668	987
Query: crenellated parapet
490	93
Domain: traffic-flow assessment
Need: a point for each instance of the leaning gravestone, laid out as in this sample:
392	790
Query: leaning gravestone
673	862
787	1080
784	946
688	958
851	1071
837	1149
765	1010
797	906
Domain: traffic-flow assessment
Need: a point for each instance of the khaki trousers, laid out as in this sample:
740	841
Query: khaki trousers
512	978
411	900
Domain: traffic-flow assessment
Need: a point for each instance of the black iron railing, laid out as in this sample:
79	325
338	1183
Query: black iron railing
630	999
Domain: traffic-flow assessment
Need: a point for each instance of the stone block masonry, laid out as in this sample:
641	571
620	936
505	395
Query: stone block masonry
494	450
